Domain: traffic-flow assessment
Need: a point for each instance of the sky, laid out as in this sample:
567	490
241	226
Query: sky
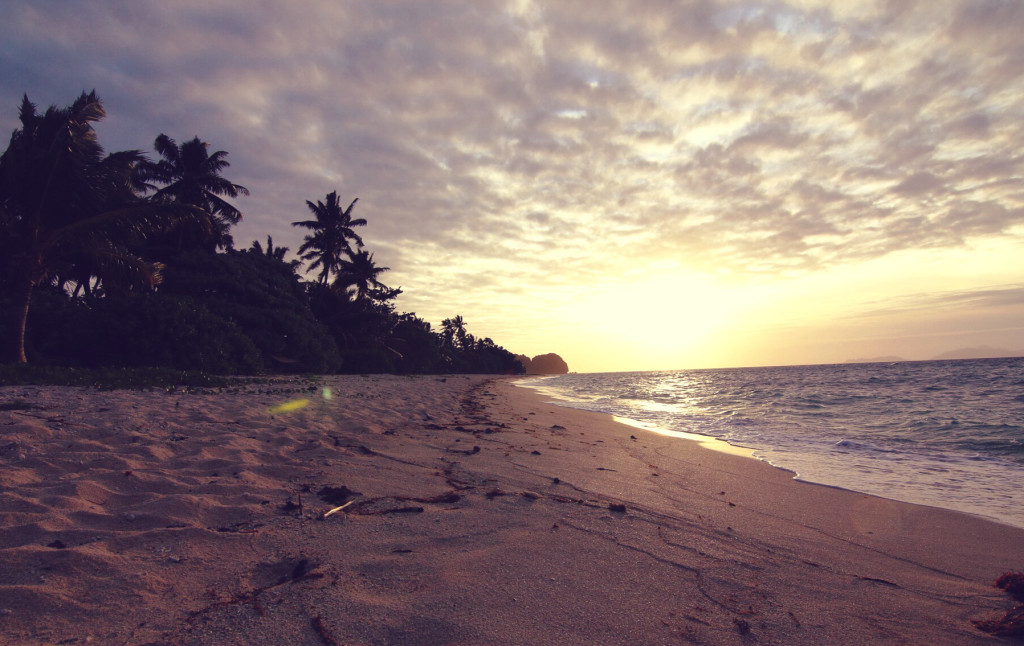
644	185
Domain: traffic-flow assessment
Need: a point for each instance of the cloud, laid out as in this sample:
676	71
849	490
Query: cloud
490	139
999	297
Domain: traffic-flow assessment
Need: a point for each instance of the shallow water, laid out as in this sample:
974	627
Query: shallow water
943	433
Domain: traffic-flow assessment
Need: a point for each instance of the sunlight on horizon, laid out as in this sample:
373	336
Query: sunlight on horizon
663	316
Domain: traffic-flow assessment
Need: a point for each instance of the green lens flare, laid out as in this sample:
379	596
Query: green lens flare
286	407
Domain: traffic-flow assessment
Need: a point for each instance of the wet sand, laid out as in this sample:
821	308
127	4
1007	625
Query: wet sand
477	514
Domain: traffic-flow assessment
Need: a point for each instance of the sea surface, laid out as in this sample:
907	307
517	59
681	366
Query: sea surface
942	433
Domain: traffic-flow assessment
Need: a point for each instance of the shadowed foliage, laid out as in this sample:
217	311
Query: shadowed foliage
361	328
277	253
70	213
262	296
188	174
360	272
120	280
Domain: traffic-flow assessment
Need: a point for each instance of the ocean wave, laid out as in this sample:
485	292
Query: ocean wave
904	431
860	446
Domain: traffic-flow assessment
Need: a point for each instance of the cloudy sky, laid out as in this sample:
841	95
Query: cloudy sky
651	184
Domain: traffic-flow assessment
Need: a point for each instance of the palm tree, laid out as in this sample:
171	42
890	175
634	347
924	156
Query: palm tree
453	333
460	331
67	208
332	232
277	253
84	268
361	272
191	175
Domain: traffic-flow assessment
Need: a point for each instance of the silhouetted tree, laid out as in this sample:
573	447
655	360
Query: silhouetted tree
79	240
461	352
263	298
277	253
454	333
65	208
418	347
361	272
189	174
361	328
332	233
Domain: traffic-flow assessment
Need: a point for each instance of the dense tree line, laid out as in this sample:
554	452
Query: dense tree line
110	260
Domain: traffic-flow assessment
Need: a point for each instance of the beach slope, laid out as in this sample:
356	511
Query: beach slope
464	510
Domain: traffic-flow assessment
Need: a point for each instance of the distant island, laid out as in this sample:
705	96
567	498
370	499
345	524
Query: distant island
978	352
885	359
543	364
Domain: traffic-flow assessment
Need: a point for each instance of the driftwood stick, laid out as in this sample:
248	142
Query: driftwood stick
337	509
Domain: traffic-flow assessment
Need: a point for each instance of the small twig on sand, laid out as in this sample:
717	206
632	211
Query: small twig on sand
337	509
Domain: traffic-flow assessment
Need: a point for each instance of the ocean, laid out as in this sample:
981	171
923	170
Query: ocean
948	434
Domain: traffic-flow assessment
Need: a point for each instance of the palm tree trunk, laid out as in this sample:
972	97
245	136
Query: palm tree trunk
15	345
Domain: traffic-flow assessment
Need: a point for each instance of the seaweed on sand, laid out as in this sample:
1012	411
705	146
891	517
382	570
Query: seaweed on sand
1013	583
1012	624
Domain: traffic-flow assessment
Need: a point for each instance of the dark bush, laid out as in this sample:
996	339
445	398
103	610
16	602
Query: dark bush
140	331
264	299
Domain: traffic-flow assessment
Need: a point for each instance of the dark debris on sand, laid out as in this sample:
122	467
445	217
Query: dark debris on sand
1013	584
1012	624
336	495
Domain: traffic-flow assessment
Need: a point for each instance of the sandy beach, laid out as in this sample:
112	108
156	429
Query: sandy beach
463	510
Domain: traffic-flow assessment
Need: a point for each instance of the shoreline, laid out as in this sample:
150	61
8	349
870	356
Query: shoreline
910	491
711	443
474	512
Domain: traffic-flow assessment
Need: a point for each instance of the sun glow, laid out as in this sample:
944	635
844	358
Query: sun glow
666	316
661	318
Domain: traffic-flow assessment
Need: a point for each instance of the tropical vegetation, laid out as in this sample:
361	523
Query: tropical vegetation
114	261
